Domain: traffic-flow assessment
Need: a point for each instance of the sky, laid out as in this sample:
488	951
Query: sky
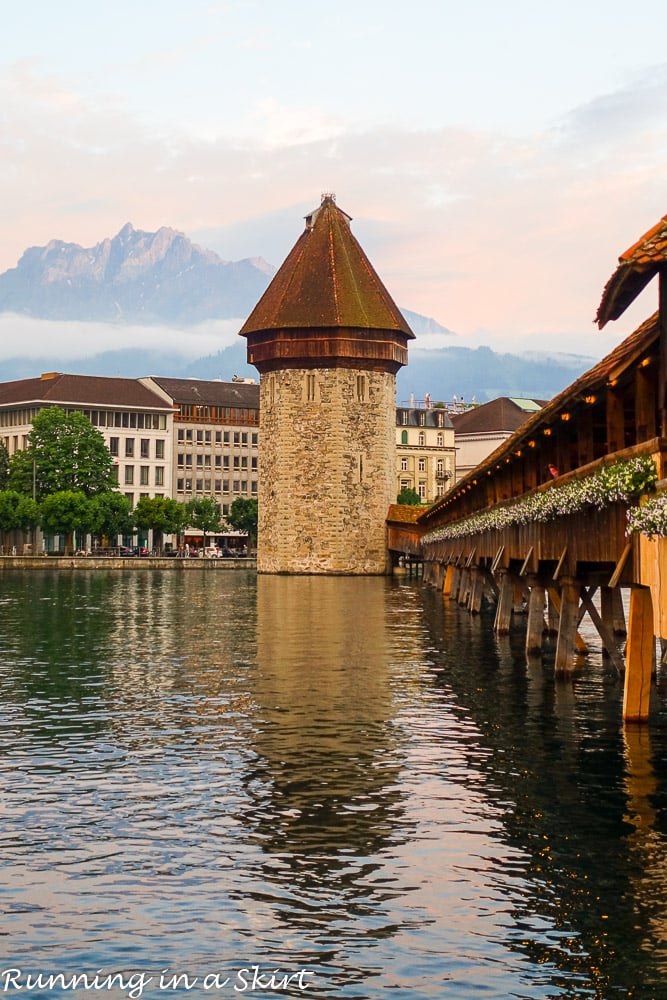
496	158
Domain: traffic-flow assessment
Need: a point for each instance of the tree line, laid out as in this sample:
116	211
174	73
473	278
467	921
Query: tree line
64	482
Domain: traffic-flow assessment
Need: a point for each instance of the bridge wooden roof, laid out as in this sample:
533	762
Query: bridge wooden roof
326	281
626	356
635	269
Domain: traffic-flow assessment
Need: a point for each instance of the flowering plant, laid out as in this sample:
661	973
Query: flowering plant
650	518
614	483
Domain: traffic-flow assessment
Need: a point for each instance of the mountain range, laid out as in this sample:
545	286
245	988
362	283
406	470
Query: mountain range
162	279
134	277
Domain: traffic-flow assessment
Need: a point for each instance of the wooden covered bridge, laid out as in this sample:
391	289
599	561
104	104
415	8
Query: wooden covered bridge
573	506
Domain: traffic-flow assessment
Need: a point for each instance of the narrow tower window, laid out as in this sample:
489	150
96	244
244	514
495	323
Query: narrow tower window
310	388
361	388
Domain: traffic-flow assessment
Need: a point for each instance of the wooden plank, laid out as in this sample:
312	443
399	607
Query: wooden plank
620	565
526	562
561	564
498	556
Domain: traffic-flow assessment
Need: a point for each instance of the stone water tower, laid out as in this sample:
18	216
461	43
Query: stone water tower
327	340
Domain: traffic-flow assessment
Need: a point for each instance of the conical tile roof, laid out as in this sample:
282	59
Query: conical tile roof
326	281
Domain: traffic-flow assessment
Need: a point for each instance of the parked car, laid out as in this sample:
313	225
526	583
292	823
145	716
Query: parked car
140	550
124	550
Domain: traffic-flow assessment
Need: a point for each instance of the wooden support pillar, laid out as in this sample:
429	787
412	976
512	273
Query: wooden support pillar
535	628
449	579
476	591
553	611
464	589
503	618
611	608
639	656
566	645
456	583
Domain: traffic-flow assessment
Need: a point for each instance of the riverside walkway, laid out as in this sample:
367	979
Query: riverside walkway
573	506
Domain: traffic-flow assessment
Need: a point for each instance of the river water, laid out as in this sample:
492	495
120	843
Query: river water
222	785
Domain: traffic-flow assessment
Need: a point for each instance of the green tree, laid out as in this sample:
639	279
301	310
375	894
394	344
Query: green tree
112	515
65	512
65	452
204	515
243	516
4	466
409	497
17	512
164	515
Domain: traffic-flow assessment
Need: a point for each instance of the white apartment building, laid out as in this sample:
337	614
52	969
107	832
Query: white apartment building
136	423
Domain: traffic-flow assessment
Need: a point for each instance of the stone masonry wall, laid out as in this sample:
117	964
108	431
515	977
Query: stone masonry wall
327	471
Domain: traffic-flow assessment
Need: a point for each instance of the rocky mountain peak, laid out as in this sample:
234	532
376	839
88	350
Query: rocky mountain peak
134	276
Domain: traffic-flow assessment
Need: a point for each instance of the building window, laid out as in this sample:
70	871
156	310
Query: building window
181	435
113	445
180	459
159	448
143	475
422	465
440	467
422	439
404	465
441	440
404	437
129	475
159	475
405	484
422	491
253	438
145	445
404	416
129	447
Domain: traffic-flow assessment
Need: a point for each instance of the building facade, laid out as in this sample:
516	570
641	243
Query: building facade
327	340
135	422
216	437
481	429
425	452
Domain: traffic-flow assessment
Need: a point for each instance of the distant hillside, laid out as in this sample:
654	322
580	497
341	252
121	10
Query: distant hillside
135	277
443	373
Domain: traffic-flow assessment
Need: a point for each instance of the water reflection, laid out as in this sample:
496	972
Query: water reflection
202	770
579	800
